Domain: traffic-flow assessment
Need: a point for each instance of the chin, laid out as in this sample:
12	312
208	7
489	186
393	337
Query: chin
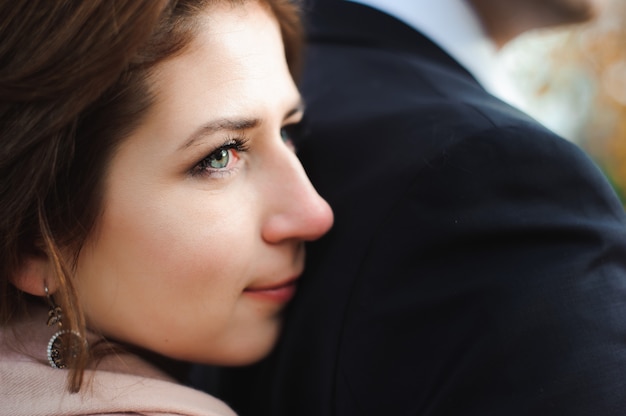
243	349
242	356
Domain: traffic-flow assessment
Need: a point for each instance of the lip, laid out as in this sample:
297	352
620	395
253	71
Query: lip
280	292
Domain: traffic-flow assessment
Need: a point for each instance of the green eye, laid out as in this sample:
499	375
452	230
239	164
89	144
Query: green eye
219	159
222	160
284	134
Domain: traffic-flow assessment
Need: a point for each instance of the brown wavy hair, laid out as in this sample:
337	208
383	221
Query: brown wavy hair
73	85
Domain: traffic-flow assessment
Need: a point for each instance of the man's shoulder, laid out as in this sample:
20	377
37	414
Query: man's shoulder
363	86
387	81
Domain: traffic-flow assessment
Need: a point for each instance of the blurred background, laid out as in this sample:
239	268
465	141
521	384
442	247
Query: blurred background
573	80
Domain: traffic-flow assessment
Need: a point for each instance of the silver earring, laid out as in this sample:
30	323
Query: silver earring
63	344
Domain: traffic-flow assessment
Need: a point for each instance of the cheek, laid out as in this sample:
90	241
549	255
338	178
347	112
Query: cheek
180	232
170	265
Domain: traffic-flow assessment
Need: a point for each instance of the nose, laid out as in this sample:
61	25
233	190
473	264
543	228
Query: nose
296	210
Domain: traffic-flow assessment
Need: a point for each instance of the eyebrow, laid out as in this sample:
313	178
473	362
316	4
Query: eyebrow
221	124
231	124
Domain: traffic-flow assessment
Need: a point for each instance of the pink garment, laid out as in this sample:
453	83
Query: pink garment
122	384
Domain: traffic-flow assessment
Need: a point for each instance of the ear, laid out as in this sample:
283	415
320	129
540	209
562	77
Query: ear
33	275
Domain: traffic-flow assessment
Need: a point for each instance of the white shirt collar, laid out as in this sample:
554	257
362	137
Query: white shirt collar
453	26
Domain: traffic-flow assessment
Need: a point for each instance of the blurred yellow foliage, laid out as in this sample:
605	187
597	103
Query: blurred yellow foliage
600	49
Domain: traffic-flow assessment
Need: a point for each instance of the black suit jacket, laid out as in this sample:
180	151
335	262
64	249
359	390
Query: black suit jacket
477	265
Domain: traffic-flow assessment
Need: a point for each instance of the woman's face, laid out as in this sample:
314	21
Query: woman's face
206	206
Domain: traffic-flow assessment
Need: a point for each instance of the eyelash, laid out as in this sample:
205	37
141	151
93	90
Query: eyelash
239	144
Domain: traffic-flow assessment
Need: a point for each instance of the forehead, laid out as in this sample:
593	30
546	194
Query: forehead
236	53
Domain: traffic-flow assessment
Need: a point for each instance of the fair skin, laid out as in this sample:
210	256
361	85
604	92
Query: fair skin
201	237
504	20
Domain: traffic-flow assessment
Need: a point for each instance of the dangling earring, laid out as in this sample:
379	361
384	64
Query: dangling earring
64	343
